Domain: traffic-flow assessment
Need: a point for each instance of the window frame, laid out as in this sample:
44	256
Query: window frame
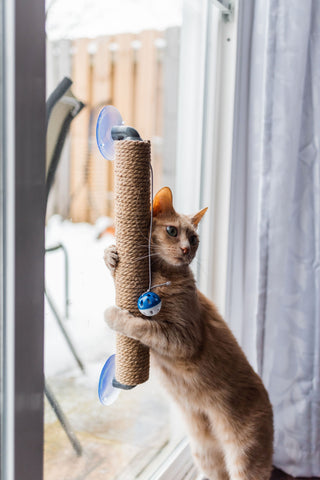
204	155
178	465
23	217
205	133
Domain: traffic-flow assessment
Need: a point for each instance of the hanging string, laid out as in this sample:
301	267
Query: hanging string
150	229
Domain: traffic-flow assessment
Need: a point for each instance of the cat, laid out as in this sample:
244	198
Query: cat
226	407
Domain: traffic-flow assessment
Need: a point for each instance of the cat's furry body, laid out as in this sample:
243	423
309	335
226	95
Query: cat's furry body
226	407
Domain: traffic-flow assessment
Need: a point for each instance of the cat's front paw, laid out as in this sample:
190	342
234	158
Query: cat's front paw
113	316
111	258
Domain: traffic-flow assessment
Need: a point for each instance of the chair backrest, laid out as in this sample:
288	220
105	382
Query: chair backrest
61	108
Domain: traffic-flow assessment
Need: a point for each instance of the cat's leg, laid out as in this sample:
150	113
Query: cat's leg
205	446
242	465
247	457
164	337
111	258
210	461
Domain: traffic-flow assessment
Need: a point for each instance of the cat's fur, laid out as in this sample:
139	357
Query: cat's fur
226	407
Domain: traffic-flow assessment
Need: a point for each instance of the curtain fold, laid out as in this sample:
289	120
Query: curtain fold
273	299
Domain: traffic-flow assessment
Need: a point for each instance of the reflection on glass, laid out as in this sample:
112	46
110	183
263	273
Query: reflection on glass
135	68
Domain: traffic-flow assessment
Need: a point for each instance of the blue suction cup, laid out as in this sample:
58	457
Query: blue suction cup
108	118
107	392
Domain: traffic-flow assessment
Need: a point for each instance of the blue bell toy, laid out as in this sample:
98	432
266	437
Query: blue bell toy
149	304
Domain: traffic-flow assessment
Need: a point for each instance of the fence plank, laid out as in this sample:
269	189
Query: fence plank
123	92
146	93
80	131
100	96
123	89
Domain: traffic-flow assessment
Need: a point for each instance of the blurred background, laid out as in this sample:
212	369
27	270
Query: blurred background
124	54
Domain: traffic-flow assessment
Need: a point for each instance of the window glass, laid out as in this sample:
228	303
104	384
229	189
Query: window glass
130	61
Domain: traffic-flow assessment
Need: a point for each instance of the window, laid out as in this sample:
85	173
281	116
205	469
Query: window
132	62
22	220
185	107
208	64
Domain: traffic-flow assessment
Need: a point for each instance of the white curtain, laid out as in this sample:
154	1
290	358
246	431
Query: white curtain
273	301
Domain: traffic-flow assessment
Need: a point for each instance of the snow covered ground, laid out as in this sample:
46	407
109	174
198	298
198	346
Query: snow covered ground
91	291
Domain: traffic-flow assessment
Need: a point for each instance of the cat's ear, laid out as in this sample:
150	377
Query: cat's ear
162	202
195	220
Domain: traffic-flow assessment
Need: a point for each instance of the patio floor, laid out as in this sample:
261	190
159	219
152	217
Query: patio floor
118	441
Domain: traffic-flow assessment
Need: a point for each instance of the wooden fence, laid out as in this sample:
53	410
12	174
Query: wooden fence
138	74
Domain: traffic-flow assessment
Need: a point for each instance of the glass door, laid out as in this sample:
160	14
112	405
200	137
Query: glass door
130	61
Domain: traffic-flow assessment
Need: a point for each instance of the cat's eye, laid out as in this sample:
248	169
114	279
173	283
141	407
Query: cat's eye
172	231
193	240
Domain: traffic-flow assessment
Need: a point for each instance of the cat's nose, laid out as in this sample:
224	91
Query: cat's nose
185	250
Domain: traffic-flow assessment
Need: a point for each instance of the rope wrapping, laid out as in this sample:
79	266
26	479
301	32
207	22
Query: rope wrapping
132	222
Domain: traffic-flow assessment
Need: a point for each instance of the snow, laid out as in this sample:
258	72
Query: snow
93	18
91	292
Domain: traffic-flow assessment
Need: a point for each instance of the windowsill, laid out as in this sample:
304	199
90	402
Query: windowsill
173	465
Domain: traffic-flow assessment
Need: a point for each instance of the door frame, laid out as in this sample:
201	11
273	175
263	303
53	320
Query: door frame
23	221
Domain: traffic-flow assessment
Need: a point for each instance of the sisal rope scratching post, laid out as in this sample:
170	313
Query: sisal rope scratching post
132	221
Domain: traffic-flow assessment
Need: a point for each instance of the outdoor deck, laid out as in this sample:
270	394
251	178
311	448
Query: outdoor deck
118	441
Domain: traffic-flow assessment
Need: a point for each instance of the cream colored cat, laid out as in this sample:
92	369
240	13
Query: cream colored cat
226	407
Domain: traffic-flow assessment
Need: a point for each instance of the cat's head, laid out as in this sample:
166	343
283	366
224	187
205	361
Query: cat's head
174	237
